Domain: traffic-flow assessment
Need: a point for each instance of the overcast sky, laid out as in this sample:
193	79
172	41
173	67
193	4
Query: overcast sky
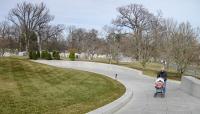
97	13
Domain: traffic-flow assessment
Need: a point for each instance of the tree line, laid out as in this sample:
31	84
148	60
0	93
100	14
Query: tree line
135	32
28	27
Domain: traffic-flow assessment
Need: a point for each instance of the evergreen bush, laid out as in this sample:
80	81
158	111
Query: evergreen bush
34	55
44	54
56	55
48	56
30	55
38	54
72	56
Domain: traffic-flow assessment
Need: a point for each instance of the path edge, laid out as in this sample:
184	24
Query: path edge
115	105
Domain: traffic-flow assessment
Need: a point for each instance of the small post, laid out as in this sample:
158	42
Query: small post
116	76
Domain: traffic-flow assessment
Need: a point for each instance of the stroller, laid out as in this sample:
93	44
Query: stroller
159	85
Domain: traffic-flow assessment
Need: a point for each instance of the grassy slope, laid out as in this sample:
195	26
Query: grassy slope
28	87
151	68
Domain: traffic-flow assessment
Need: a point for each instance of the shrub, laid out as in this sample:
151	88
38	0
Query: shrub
72	56
33	55
44	54
30	55
56	55
38	54
49	57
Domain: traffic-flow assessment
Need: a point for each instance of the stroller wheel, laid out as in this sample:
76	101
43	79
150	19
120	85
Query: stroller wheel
162	95
155	94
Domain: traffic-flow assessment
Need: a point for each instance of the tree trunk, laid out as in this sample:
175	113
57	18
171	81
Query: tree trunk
39	43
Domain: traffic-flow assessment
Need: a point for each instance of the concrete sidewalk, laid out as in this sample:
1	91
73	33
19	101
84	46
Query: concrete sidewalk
142	102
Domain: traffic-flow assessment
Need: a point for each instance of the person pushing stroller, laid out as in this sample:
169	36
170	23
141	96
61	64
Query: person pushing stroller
161	82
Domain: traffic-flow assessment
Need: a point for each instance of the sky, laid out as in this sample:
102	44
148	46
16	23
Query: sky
97	13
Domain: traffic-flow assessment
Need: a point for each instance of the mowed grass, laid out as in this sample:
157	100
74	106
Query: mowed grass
32	88
151	69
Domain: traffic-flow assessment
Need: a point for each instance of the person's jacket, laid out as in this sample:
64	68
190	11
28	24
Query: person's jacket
162	74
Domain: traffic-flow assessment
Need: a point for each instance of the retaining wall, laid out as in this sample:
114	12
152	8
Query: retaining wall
191	85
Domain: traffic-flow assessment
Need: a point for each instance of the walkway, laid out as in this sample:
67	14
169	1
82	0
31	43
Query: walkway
142	102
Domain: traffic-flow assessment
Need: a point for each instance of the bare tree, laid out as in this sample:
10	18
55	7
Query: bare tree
157	32
113	40
126	45
136	18
3	37
184	42
76	39
48	35
8	38
70	40
29	18
147	48
169	27
83	40
92	42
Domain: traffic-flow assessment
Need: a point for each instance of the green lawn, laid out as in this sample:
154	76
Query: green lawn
29	88
151	69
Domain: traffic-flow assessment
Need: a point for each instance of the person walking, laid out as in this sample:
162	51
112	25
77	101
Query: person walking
163	74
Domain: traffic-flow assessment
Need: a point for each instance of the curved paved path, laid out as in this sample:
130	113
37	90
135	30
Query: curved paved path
142	102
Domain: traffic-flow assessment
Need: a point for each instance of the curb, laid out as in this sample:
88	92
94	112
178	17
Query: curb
115	105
